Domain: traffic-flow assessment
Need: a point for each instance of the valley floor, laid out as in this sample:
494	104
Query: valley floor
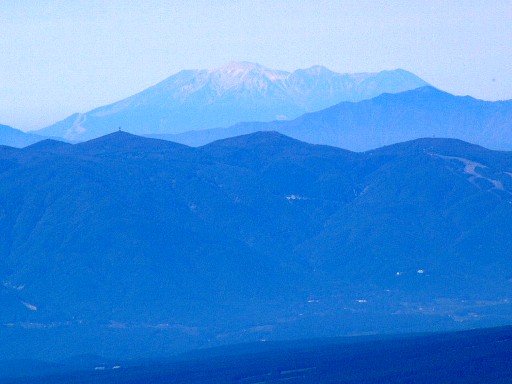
476	356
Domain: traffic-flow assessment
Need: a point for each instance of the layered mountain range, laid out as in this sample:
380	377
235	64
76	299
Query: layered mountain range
130	246
16	138
375	110
384	120
236	92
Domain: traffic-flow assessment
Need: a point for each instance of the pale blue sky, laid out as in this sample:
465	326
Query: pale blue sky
60	57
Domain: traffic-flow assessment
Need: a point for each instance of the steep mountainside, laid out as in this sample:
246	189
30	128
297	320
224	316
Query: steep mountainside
129	246
384	120
202	99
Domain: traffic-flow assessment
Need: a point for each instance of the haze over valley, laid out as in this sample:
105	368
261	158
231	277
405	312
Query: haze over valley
135	247
128	235
255	192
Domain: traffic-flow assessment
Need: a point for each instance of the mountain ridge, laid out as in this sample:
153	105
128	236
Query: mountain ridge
127	244
384	120
15	138
201	99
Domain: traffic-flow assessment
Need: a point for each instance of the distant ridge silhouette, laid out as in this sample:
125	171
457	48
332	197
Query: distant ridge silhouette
202	99
384	120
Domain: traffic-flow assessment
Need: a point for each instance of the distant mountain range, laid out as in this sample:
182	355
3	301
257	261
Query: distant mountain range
202	99
384	120
16	138
128	246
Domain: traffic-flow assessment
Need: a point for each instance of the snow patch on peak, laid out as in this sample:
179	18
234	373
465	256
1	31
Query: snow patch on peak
77	128
242	69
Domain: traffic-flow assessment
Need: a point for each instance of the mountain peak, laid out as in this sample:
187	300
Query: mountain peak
117	136
426	92
318	70
13	137
241	69
47	145
223	96
239	66
121	141
256	138
429	89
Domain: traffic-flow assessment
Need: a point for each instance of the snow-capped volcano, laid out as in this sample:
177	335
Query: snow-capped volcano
235	92
236	77
240	72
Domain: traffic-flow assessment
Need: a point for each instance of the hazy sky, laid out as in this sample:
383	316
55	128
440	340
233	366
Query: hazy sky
59	57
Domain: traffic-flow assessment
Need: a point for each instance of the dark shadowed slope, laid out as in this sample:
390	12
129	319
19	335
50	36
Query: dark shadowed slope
477	356
385	120
48	145
128	246
202	99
